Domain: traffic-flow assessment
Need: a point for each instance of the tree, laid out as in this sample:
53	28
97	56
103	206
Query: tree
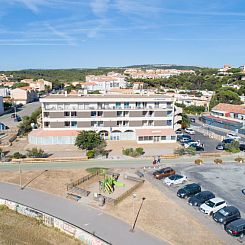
36	153
185	122
88	140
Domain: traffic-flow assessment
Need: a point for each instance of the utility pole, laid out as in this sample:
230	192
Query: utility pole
134	196
132	229
20	173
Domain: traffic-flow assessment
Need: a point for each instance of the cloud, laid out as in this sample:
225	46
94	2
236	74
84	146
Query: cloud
99	7
33	5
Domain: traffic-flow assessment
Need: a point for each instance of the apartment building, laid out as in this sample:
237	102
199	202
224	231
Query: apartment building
141	118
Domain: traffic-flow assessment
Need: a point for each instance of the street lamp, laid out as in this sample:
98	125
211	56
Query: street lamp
20	172
134	196
132	229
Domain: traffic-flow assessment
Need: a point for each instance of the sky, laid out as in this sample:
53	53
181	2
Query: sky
90	33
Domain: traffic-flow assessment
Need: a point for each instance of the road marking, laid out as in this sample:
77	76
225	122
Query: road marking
100	214
86	224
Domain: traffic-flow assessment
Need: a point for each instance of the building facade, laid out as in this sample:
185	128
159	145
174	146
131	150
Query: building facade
23	95
141	118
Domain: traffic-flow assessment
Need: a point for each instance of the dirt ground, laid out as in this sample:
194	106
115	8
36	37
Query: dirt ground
160	216
163	218
51	181
19	229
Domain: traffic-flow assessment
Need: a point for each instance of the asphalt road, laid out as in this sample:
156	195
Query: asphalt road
109	228
26	110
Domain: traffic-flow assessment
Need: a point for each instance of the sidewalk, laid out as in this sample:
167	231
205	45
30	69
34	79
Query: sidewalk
103	225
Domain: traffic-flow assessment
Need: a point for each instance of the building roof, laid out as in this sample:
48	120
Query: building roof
155	132
229	108
50	133
222	119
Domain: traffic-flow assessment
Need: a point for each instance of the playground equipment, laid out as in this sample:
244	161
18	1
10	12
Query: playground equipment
108	184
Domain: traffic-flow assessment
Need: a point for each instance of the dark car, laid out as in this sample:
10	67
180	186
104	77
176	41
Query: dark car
200	198
236	228
242	147
189	190
164	172
227	141
226	215
17	118
13	115
184	136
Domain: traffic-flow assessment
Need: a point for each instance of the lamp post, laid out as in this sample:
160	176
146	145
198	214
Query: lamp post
134	196
132	229
20	173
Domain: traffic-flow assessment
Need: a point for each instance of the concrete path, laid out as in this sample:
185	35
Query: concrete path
103	225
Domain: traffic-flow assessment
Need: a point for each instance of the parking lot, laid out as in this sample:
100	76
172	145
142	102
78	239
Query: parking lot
225	181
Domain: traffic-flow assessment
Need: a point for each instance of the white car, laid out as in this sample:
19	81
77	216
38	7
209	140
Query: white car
190	144
189	131
213	205
233	136
175	179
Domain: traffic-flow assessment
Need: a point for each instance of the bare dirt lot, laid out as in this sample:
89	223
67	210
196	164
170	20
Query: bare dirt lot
161	216
19	229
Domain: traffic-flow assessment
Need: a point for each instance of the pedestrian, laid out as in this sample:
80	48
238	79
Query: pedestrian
158	160
154	163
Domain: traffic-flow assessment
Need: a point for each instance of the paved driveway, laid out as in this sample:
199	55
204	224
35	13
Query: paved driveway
111	229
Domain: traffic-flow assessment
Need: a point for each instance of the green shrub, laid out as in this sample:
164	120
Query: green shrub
90	154
36	153
140	150
233	147
185	151
133	152
2	207
18	155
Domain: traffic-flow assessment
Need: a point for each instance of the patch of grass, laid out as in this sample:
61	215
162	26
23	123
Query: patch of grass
96	169
19	229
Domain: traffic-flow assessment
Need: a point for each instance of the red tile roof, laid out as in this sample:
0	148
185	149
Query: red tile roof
229	108
155	132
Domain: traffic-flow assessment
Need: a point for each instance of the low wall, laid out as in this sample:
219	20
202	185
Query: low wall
52	221
53	159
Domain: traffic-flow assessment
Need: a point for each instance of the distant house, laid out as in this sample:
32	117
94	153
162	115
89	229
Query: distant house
1	105
40	84
23	95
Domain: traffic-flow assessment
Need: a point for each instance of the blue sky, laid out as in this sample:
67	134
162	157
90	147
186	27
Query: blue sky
91	33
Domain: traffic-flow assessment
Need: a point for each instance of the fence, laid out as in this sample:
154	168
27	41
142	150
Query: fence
209	133
80	181
52	221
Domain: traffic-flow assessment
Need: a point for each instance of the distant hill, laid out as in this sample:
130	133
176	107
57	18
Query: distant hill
165	66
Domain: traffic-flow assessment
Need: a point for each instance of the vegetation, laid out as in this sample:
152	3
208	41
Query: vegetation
26	125
239	159
20	229
198	161
18	155
19	85
36	153
133	152
233	147
197	110
89	140
185	151
96	169
90	154
225	95
185	122
218	161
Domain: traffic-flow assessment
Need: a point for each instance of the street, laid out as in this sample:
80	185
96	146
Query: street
26	110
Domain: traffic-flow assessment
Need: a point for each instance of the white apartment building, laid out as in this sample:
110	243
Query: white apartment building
141	118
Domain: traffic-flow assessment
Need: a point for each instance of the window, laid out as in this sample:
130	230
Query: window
150	123
163	137
118	104
93	124
73	113
66	113
46	124
93	113
144	122
100	113
100	124
156	104
144	113
146	138
126	104
119	123
119	113
173	137
125	123
150	137
141	138
46	114
169	113
169	104
169	122
74	124
67	124
138	104
151	113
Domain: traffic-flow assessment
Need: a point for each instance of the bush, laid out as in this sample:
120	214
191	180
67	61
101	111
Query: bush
218	161
233	147
185	151
18	155
3	207
36	153
90	154
239	160
133	152
198	161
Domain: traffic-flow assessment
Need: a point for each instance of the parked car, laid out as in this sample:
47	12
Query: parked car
189	131
200	198
188	190
192	119
213	205
233	136
199	147
175	179
226	215
223	144
184	136
17	118
191	143
227	141
13	115
242	147
179	132
236	228
220	146
164	172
